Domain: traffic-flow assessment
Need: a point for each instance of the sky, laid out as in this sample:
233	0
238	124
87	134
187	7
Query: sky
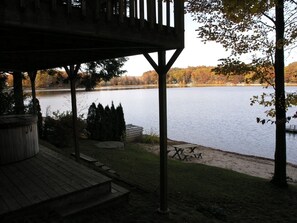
195	53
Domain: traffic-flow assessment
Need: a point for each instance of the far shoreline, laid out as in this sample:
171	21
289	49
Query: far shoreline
135	87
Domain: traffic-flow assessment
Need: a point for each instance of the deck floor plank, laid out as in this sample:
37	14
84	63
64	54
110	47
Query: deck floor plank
39	170
45	175
29	170
3	206
24	184
8	188
55	173
64	174
48	177
8	200
76	166
91	176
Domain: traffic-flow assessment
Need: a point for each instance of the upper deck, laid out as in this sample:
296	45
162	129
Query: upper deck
38	34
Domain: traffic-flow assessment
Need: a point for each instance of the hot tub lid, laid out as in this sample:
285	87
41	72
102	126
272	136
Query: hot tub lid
12	121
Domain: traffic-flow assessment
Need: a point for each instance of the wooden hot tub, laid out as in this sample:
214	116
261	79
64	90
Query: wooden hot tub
18	138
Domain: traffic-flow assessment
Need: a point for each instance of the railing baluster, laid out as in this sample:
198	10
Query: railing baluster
108	10
145	13
83	8
125	8
149	8
150	12
168	14
141	12
54	5
160	14
153	13
132	12
97	9
37	4
69	7
22	4
179	17
136	8
121	11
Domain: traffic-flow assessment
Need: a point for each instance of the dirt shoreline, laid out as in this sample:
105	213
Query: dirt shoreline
247	164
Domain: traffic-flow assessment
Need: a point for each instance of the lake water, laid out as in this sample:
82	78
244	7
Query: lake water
218	117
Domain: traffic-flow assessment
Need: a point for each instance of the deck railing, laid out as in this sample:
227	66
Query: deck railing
156	13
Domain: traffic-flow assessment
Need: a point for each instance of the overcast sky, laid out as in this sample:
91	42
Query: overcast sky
195	53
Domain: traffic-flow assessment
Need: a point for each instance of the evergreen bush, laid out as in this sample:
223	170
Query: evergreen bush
38	113
106	124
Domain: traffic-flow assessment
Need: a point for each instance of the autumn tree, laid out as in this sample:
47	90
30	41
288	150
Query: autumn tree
96	71
149	77
291	73
262	30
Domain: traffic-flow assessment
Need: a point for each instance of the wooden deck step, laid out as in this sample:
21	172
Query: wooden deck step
51	182
117	195
86	158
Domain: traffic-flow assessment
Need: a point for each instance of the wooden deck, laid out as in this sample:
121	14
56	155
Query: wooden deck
52	182
40	34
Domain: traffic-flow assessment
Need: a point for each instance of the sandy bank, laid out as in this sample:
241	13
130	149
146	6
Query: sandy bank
251	165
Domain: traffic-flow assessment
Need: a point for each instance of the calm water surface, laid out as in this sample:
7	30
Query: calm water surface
218	117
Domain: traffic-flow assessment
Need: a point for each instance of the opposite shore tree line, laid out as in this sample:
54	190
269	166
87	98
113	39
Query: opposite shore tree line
195	76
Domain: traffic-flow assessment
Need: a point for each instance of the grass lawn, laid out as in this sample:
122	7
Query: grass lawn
197	193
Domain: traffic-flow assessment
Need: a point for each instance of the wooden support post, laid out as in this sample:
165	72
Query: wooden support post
32	75
163	132
72	74
18	92
162	68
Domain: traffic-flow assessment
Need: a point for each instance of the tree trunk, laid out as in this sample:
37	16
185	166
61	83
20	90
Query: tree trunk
18	93
280	177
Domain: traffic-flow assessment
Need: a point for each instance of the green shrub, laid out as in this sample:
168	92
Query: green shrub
7	103
6	97
58	129
151	138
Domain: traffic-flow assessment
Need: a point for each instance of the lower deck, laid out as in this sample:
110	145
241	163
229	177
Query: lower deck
53	183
